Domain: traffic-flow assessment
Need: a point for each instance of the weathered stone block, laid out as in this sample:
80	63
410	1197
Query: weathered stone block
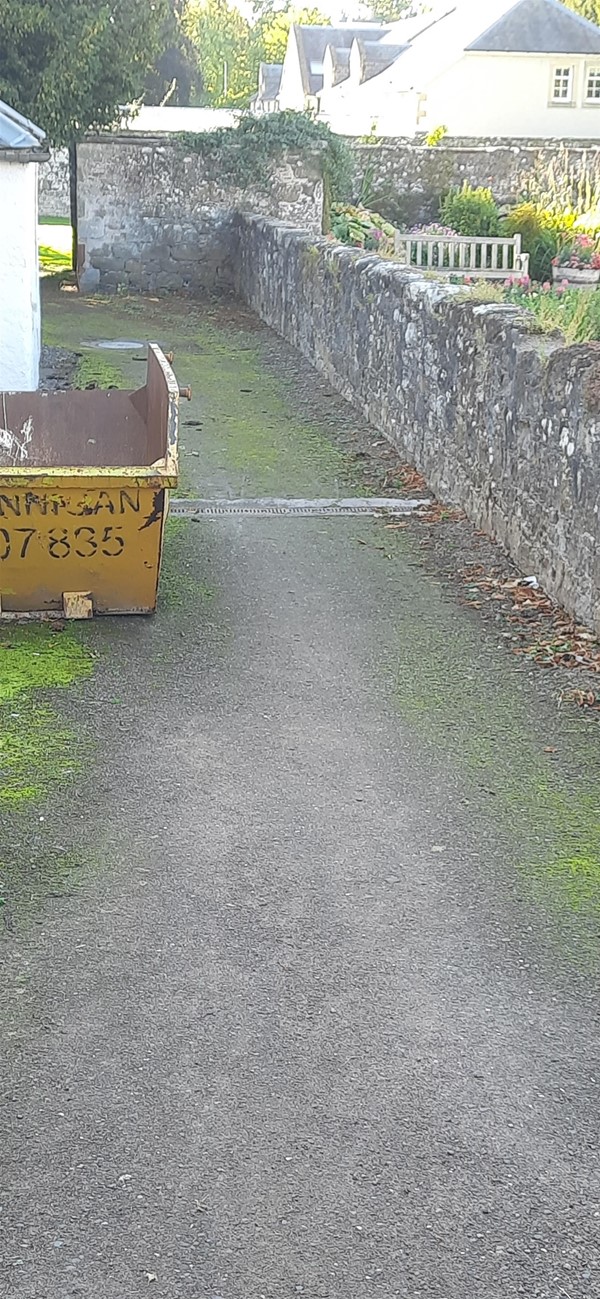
105	262
168	280
185	252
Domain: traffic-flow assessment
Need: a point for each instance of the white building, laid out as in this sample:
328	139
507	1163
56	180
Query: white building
476	67
301	81
269	85
21	151
155	119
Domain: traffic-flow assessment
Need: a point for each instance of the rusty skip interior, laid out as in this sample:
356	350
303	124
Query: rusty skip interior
94	427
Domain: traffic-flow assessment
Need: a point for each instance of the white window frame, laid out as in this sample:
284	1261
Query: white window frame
592	70
560	71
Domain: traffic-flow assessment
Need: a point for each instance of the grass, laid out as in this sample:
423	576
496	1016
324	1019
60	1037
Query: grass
36	751
180	582
94	371
55	245
52	261
575	312
469	711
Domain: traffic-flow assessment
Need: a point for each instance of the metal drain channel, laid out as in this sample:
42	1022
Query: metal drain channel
263	507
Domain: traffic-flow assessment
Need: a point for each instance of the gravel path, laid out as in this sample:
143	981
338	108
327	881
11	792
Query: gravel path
320	1016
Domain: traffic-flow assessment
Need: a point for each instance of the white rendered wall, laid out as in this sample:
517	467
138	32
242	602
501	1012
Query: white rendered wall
510	95
486	95
19	277
291	90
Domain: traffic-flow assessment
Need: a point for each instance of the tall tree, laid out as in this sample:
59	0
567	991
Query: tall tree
71	64
273	29
175	77
389	11
226	52
587	8
230	48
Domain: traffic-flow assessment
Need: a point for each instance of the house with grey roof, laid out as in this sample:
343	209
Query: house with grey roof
303	66
269	82
512	68
21	151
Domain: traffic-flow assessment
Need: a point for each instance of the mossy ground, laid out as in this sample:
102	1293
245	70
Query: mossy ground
538	777
241	418
36	751
93	371
465	700
180	582
40	756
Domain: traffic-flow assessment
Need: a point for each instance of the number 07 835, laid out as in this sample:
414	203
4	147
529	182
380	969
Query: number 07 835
85	542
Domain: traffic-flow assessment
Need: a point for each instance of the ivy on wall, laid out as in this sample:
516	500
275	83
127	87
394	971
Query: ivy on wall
246	154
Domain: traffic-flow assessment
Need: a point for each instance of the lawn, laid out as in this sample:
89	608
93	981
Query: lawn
55	240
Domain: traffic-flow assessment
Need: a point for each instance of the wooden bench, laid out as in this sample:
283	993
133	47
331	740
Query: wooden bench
484	259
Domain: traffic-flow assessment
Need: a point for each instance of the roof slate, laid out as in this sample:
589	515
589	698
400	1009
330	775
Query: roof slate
540	27
17	132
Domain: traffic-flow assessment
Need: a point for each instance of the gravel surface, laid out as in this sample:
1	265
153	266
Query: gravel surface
57	367
318	1014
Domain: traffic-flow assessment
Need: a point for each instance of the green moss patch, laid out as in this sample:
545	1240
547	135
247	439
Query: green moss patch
249	430
35	753
181	582
540	783
94	371
36	750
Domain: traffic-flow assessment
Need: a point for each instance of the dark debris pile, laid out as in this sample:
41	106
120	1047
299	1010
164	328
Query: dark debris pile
546	635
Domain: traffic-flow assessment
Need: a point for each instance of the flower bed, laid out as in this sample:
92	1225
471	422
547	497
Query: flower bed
578	262
559	306
360	228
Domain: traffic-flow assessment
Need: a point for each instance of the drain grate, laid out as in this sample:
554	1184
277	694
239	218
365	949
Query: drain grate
272	505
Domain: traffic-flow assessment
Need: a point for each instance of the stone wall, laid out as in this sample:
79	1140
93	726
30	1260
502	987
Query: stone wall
501	420
156	216
53	193
404	180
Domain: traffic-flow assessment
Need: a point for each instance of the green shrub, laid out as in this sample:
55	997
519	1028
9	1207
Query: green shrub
542	235
361	229
568	183
471	212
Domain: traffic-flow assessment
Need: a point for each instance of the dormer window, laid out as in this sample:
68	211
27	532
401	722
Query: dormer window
562	86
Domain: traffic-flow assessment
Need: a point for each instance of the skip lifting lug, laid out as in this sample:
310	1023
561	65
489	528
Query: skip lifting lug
185	393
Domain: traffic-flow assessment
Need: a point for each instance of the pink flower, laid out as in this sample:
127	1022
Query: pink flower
546	286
